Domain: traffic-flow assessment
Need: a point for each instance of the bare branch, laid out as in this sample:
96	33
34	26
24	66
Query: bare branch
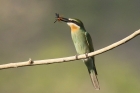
71	58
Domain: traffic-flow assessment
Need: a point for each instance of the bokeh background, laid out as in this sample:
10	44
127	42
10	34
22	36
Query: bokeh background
27	31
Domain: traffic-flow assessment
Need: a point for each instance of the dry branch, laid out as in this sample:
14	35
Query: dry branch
71	58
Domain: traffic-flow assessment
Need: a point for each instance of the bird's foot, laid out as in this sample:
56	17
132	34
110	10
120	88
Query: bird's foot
86	54
76	56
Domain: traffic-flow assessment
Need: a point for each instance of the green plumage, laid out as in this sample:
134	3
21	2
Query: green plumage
83	44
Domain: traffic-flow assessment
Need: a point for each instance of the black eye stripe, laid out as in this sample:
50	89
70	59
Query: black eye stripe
74	22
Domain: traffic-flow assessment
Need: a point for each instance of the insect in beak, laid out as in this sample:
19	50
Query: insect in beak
59	18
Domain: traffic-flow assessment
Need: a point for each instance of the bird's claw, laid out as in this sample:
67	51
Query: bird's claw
76	56
86	54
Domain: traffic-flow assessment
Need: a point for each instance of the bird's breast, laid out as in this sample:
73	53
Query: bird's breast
73	27
80	42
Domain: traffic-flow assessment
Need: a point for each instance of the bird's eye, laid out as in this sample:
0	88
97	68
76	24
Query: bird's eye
73	21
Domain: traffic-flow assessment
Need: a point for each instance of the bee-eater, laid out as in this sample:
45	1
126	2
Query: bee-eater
83	44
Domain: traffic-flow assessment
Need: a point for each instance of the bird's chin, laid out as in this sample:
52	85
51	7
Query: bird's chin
72	24
69	23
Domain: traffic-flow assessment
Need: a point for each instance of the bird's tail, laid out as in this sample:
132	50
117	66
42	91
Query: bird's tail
92	72
94	79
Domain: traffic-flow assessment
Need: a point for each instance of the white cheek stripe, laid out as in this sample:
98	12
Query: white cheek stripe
70	24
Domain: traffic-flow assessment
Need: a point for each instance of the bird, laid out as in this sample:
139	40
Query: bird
83	45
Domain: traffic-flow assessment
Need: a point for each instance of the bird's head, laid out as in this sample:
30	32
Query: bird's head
75	24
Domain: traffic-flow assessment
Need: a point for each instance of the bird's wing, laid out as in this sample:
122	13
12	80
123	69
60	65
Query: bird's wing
89	41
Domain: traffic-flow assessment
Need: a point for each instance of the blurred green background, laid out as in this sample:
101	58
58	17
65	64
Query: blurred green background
27	31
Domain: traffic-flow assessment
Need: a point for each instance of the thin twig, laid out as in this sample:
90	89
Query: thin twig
71	58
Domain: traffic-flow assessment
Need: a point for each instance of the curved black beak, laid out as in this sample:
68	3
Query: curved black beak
64	19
